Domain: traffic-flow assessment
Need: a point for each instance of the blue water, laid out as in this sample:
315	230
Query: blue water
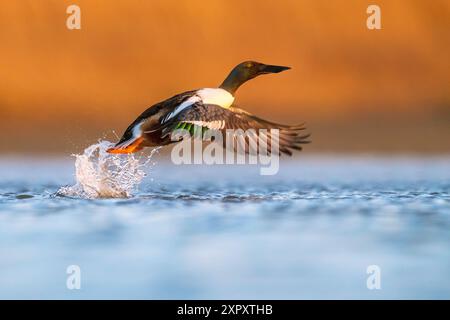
206	232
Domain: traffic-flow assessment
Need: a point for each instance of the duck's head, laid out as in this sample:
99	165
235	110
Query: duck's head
248	70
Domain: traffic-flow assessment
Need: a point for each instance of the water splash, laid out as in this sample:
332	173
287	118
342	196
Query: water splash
103	175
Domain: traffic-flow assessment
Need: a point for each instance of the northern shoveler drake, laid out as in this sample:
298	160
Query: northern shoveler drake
209	108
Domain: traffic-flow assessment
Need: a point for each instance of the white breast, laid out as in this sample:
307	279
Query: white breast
216	96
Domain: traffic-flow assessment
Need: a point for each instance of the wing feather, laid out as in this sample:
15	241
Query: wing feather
214	117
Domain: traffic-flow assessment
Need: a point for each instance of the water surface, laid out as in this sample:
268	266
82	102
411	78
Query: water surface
227	232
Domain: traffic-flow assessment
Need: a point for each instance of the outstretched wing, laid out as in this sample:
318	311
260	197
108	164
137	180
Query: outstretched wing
213	117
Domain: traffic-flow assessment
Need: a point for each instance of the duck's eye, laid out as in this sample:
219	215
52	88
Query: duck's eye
249	65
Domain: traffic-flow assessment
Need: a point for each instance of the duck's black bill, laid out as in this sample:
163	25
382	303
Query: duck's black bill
273	69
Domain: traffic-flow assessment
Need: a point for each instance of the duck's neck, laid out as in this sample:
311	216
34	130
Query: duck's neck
234	80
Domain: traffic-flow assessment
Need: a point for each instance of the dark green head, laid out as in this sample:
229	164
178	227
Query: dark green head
245	71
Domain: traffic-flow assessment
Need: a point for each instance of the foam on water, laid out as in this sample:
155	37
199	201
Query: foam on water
103	175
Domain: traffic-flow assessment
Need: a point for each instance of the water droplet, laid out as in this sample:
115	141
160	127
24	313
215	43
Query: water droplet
103	175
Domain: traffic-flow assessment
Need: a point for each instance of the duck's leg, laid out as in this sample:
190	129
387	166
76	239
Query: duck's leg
128	147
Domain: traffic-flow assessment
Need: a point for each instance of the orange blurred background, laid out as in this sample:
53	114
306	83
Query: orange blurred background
358	90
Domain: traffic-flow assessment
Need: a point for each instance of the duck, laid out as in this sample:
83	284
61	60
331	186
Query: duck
210	109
